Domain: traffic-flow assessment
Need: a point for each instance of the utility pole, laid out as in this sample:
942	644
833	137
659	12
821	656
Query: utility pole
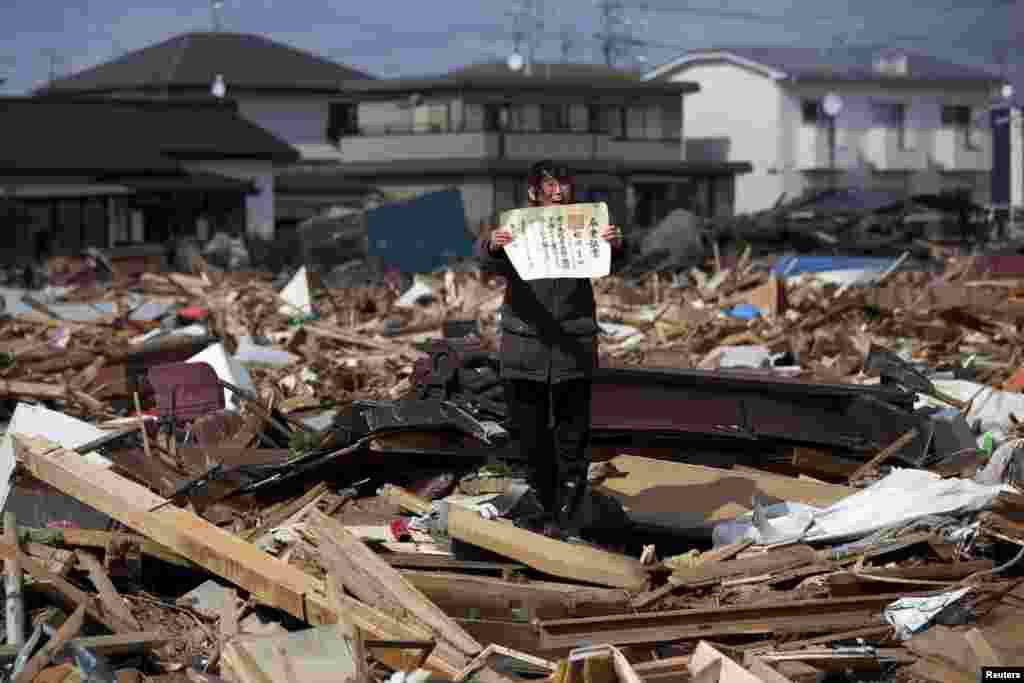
54	58
216	6
613	39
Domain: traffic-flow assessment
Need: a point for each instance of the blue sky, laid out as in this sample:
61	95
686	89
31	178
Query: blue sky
413	37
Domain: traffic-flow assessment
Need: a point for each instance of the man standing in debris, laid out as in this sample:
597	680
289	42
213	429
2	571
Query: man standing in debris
548	355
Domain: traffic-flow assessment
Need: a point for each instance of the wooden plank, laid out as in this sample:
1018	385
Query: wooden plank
108	593
406	500
548	555
66	590
790	616
677	495
497	598
282	513
268	579
731	672
883	455
374	581
983	650
769	562
69	629
445	660
352	639
101	540
57	560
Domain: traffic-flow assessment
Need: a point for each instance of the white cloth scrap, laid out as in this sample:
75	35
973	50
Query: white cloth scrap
912	615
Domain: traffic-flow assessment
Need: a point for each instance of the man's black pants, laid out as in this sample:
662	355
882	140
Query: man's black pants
554	428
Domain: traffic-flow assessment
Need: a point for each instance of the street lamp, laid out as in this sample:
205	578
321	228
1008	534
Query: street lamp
832	105
219	88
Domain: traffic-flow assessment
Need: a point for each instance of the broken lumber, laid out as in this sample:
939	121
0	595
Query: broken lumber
883	455
100	540
375	582
548	555
794	616
269	579
47	580
68	630
109	596
497	598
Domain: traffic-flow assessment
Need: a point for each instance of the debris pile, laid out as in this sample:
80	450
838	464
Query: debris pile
799	466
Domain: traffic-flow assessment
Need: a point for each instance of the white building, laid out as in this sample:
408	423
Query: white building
905	122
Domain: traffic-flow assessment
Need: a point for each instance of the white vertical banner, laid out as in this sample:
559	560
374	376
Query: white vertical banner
558	241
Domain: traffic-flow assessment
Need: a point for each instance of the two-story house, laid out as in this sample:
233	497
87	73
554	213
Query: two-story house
480	127
808	118
292	93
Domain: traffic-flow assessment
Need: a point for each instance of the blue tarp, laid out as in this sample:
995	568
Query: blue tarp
791	266
421	235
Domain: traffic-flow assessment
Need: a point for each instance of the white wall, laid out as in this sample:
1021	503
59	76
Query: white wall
923	119
744	106
294	120
259	208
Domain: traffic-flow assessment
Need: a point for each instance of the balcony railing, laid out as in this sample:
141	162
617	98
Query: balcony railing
396	146
962	150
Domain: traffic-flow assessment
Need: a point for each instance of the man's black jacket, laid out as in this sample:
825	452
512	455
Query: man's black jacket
548	326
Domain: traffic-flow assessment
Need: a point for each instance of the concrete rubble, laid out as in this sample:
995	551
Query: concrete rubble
801	468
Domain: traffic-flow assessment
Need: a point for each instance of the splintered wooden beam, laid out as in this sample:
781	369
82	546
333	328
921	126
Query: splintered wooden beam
375	582
270	580
548	555
108	593
48	581
576	562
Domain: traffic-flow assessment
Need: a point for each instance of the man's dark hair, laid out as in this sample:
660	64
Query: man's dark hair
547	169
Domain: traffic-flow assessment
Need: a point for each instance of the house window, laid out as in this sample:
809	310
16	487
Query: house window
342	119
432	118
555	118
812	113
605	120
891	116
958	118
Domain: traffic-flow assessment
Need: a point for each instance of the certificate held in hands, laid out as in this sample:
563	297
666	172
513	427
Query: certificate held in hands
558	241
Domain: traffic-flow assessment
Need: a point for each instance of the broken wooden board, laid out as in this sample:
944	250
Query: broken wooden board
779	560
730	672
269	579
375	582
548	555
64	591
312	655
677	495
790	616
495	598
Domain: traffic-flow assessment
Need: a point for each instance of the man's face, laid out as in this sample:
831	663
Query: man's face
553	191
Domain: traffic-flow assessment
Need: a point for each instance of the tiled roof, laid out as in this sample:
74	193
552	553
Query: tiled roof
47	135
591	78
193	60
851	63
